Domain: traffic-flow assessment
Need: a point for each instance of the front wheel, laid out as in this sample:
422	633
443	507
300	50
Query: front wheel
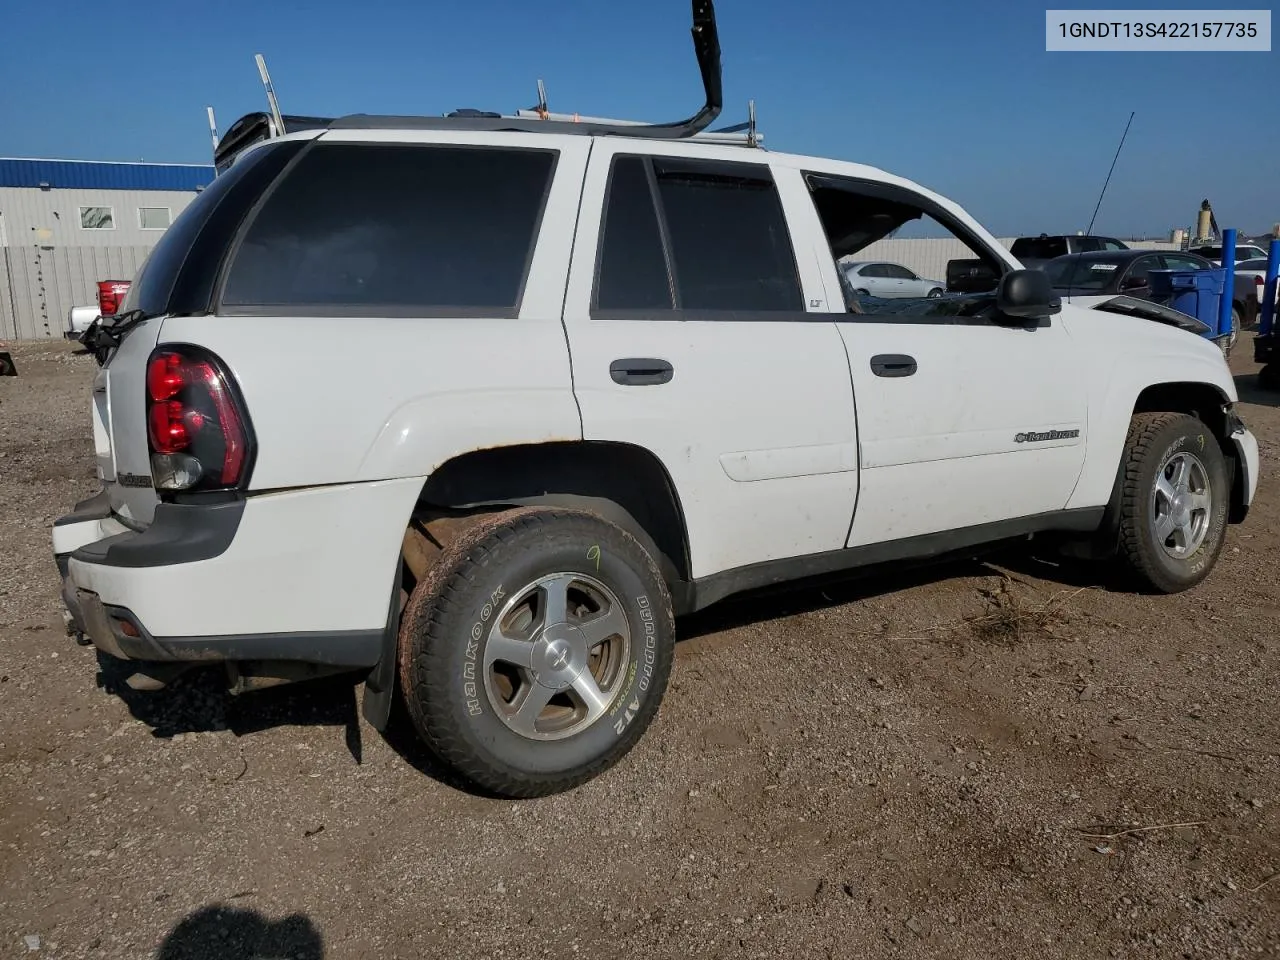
536	653
935	293
1174	497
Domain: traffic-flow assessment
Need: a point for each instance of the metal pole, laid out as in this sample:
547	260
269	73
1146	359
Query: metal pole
1229	288
276	118
1269	290
213	130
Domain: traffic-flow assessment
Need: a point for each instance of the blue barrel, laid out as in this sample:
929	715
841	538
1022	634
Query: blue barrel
1197	293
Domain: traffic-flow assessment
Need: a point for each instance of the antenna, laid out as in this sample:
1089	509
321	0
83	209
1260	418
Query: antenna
271	95
213	129
542	108
1089	232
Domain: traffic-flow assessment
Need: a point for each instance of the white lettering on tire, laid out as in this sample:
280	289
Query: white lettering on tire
646	670
469	689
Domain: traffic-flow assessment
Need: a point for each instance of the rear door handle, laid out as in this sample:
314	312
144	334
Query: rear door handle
641	371
893	365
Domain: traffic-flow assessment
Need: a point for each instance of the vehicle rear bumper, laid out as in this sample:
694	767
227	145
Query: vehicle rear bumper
304	575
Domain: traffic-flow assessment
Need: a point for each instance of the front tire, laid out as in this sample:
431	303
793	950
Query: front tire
1174	499
935	293
536	652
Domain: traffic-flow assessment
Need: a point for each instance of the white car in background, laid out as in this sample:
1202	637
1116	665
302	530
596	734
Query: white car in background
1244	251
878	278
78	320
1257	269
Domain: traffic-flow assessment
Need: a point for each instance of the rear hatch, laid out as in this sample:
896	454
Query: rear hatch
120	427
178	278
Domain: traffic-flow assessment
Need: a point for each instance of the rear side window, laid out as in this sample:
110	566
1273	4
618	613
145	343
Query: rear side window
395	229
177	276
716	239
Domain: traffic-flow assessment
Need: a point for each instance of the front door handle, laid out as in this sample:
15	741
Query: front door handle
893	365
641	372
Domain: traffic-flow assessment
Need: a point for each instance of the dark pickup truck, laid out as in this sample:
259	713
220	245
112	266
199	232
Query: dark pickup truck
974	276
1034	251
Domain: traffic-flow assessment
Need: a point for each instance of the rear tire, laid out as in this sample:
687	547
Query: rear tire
1174	501
535	652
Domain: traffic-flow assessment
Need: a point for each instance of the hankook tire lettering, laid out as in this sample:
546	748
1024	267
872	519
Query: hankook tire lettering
469	689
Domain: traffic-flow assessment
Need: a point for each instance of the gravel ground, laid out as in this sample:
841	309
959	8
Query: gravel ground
984	760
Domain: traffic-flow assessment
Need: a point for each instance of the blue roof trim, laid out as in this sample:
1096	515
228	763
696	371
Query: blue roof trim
92	175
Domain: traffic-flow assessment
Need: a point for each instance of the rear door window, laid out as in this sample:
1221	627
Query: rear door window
692	235
394	229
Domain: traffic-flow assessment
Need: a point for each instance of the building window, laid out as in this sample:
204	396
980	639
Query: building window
153	218
97	218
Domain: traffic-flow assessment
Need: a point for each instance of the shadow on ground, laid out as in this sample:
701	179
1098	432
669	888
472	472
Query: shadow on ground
198	702
836	590
221	932
1251	391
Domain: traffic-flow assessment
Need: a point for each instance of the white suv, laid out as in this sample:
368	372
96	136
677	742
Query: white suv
476	405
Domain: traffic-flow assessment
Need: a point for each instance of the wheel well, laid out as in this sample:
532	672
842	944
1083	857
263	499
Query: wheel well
625	484
1200	400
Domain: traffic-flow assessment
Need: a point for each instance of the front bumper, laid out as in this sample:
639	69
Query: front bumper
1246	445
303	575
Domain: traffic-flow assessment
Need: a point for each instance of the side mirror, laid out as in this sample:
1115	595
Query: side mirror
1133	283
1027	295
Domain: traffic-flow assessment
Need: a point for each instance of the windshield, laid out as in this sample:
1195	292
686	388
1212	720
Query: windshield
1080	274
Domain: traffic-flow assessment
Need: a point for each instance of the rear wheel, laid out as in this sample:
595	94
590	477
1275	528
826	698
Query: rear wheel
1174	497
537	650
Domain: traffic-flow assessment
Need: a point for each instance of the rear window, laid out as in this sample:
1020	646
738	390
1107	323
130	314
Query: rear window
394	229
1039	248
177	276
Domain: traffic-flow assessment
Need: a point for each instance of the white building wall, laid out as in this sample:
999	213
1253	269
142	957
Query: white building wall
52	217
50	263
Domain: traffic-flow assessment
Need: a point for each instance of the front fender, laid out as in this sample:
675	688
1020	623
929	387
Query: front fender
1132	355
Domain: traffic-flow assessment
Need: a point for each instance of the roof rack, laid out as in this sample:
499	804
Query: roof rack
706	45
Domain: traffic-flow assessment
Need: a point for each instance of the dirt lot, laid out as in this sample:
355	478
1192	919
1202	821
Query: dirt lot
999	760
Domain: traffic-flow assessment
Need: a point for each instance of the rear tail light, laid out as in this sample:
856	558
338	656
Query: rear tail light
111	294
197	428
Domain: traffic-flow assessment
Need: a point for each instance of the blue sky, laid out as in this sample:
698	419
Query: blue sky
960	96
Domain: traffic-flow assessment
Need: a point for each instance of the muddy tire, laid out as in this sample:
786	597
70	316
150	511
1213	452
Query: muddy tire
1174	501
535	653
